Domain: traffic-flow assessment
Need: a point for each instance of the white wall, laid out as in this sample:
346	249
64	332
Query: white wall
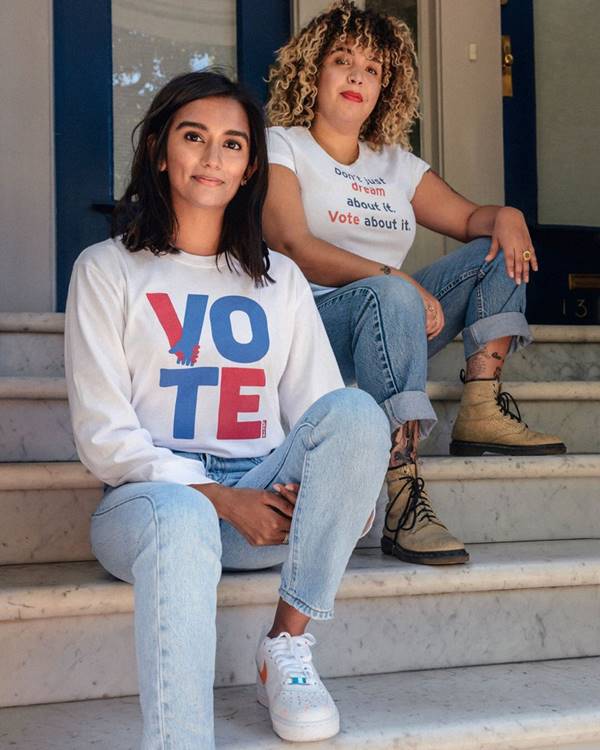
472	157
27	266
462	106
567	67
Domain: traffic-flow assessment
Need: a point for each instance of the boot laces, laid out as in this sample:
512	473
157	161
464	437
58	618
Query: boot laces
418	507
292	656
505	401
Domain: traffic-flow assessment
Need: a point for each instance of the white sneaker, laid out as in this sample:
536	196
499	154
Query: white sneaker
300	707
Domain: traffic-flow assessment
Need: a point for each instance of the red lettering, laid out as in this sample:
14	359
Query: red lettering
347	218
232	402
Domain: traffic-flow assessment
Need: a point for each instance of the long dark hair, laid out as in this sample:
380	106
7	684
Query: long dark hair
144	216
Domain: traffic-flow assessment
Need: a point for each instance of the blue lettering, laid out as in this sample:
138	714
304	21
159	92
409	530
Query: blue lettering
220	320
187	383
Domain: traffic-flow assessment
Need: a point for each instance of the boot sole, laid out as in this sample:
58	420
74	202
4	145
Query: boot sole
461	448
450	557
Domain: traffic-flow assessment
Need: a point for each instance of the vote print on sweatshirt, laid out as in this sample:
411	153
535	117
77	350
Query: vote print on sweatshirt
191	378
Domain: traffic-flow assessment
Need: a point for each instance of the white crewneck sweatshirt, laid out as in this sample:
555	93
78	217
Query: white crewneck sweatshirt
173	353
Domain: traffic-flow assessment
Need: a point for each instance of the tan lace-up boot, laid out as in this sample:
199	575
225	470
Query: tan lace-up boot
485	424
412	531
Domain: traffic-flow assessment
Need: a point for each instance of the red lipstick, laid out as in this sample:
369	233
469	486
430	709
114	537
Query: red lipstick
352	96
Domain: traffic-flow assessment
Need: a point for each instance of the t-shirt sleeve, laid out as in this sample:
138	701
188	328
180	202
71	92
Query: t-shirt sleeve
109	437
416	168
311	370
279	148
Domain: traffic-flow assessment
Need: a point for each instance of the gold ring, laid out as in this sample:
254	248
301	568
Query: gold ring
526	254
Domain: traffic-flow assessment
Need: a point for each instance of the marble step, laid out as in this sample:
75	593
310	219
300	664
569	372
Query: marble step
31	345
45	507
525	706
35	423
66	629
557	353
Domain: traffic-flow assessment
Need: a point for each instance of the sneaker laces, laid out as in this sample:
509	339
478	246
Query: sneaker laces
418	508
292	656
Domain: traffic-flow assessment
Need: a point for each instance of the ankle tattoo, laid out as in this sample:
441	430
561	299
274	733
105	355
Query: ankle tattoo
478	366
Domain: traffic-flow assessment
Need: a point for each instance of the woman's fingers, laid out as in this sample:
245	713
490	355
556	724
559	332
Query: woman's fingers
494	249
437	321
519	258
288	491
281	504
509	262
534	260
518	254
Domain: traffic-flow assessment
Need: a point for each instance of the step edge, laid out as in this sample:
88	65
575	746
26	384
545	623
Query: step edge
49	322
33	388
101	597
45	476
542	390
55	388
57	475
71	475
560	334
52	322
569	465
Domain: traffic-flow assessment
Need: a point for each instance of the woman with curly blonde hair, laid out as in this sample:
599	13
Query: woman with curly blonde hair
345	195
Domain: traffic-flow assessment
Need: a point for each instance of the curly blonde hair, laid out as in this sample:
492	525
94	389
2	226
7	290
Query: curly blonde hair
294	77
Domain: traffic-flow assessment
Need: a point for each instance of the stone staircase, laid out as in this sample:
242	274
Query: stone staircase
501	654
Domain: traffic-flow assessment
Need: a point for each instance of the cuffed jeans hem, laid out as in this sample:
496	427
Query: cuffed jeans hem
495	327
407	407
305	609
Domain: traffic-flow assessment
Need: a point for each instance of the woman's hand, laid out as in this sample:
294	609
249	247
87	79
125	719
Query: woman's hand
510	234
262	517
434	314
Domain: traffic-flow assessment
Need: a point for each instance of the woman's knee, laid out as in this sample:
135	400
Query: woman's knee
396	296
159	514
185	513
360	420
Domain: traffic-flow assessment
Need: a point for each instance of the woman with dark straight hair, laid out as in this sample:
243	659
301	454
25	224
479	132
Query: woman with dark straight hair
145	215
205	395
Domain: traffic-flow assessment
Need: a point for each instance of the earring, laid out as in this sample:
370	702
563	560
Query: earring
244	180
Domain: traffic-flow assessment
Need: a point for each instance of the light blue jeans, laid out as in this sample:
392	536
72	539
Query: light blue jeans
376	326
167	540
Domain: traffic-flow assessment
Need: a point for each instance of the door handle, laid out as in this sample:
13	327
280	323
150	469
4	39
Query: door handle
507	63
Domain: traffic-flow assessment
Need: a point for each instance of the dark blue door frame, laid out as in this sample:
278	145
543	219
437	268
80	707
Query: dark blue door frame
83	151
520	165
565	252
83	135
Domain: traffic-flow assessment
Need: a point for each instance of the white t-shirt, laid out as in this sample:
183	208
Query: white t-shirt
363	207
172	353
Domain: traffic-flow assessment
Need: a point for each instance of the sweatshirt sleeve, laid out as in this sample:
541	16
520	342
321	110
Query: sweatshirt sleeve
311	370
108	435
279	148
